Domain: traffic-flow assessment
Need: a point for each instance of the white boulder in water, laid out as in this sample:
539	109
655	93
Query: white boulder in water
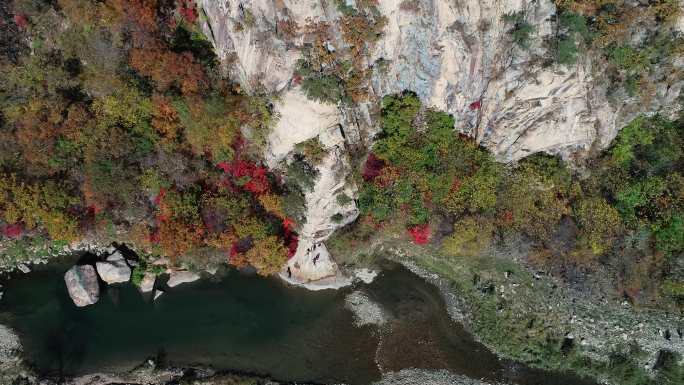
114	269
82	285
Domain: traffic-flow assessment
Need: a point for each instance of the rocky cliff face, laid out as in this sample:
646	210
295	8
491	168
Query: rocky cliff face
250	42
458	57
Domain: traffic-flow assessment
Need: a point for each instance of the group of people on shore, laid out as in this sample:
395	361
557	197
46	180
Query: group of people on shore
308	251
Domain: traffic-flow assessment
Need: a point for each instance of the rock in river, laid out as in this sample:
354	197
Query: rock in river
114	269
82	284
178	277
24	269
147	283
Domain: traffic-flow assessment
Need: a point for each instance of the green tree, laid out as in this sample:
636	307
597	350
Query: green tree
521	31
599	223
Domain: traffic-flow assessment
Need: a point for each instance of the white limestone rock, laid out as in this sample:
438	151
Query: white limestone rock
302	119
82	285
114	269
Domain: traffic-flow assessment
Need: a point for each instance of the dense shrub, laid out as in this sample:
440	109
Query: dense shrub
341	74
312	150
471	237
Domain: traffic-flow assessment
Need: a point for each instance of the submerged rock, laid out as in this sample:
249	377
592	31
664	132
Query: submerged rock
178	277
366	311
365	275
9	344
12	367
82	285
114	269
427	377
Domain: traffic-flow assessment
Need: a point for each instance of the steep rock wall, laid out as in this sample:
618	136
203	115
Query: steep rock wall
250	39
457	56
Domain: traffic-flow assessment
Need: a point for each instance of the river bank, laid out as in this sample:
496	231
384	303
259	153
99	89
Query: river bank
534	318
37	252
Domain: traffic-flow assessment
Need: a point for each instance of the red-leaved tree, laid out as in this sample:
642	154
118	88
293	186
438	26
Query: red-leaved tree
248	175
372	168
14	230
420	234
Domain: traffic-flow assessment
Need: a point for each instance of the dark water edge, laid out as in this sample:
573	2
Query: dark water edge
248	324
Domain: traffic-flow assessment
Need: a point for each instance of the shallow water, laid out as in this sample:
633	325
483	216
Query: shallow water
250	324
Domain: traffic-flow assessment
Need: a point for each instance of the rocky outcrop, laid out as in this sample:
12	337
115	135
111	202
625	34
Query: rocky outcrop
178	277
251	41
301	119
82	285
510	99
114	269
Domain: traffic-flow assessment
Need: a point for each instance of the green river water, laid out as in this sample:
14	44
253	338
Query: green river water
250	324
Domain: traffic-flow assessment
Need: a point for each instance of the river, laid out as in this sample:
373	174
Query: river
246	323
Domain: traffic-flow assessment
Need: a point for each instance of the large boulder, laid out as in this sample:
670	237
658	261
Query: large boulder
82	285
114	269
178	277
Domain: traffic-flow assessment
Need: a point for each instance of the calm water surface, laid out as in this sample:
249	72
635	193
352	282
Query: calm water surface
250	324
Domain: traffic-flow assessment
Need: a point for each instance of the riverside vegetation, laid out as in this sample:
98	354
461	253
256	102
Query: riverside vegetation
116	125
